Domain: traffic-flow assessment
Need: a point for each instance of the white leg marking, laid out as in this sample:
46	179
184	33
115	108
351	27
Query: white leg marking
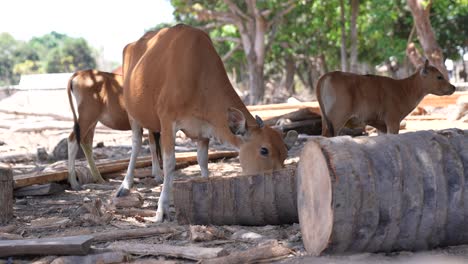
72	152
169	163
202	156
136	146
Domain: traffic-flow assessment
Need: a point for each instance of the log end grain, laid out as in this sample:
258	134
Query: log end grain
314	200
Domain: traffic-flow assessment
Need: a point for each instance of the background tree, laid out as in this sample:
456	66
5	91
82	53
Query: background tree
256	23
426	36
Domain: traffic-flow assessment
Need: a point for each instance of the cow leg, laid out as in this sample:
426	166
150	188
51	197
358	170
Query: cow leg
87	146
337	120
381	128
127	183
156	170
202	156
393	127
169	163
86	122
73	148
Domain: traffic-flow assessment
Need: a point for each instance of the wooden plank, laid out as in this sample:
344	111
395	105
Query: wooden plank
72	245
441	101
61	174
188	252
39	190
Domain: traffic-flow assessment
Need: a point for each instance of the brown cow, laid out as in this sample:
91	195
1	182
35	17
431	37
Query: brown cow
99	96
378	101
180	83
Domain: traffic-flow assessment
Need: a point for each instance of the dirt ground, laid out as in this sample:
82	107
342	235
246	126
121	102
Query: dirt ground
71	212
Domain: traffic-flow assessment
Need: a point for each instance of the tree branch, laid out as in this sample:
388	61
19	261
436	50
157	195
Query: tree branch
290	5
232	39
229	53
236	10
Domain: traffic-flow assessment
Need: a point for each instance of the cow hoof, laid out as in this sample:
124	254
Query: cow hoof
122	191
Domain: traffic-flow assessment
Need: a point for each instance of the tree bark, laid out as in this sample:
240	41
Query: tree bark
386	193
268	198
6	194
353	56
421	15
290	71
344	62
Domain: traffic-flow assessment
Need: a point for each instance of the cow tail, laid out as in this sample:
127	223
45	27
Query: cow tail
76	126
325	120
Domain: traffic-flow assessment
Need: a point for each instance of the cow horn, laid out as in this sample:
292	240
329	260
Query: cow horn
259	121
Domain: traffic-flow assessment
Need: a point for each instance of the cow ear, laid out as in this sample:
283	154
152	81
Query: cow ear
259	121
290	138
236	121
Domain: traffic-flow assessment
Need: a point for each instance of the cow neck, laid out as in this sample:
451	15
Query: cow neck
412	91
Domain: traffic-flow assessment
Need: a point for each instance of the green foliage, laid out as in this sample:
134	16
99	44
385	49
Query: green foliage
50	53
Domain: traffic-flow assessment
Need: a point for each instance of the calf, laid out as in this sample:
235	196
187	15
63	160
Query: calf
180	83
378	101
99	96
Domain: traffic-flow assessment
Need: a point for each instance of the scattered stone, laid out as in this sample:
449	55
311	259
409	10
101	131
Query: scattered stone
100	145
60	151
42	154
246	235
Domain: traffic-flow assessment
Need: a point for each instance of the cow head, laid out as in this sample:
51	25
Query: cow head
262	148
434	82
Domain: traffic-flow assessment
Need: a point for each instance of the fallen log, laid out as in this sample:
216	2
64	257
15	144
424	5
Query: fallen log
264	253
262	199
385	193
298	115
73	245
61	173
39	190
6	193
132	233
102	258
187	252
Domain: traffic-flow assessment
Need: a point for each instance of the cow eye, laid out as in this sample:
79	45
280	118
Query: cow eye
440	77
264	151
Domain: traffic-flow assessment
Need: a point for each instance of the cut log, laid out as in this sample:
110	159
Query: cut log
262	199
264	253
133	233
61	174
43	189
385	193
73	245
188	252
6	193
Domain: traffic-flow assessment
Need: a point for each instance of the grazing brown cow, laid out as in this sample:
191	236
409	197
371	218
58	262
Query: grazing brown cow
378	101
99	96
180	83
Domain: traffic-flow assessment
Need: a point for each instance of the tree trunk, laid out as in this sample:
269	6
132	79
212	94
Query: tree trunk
386	193
6	194
256	82
290	72
344	62
421	15
353	56
261	199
